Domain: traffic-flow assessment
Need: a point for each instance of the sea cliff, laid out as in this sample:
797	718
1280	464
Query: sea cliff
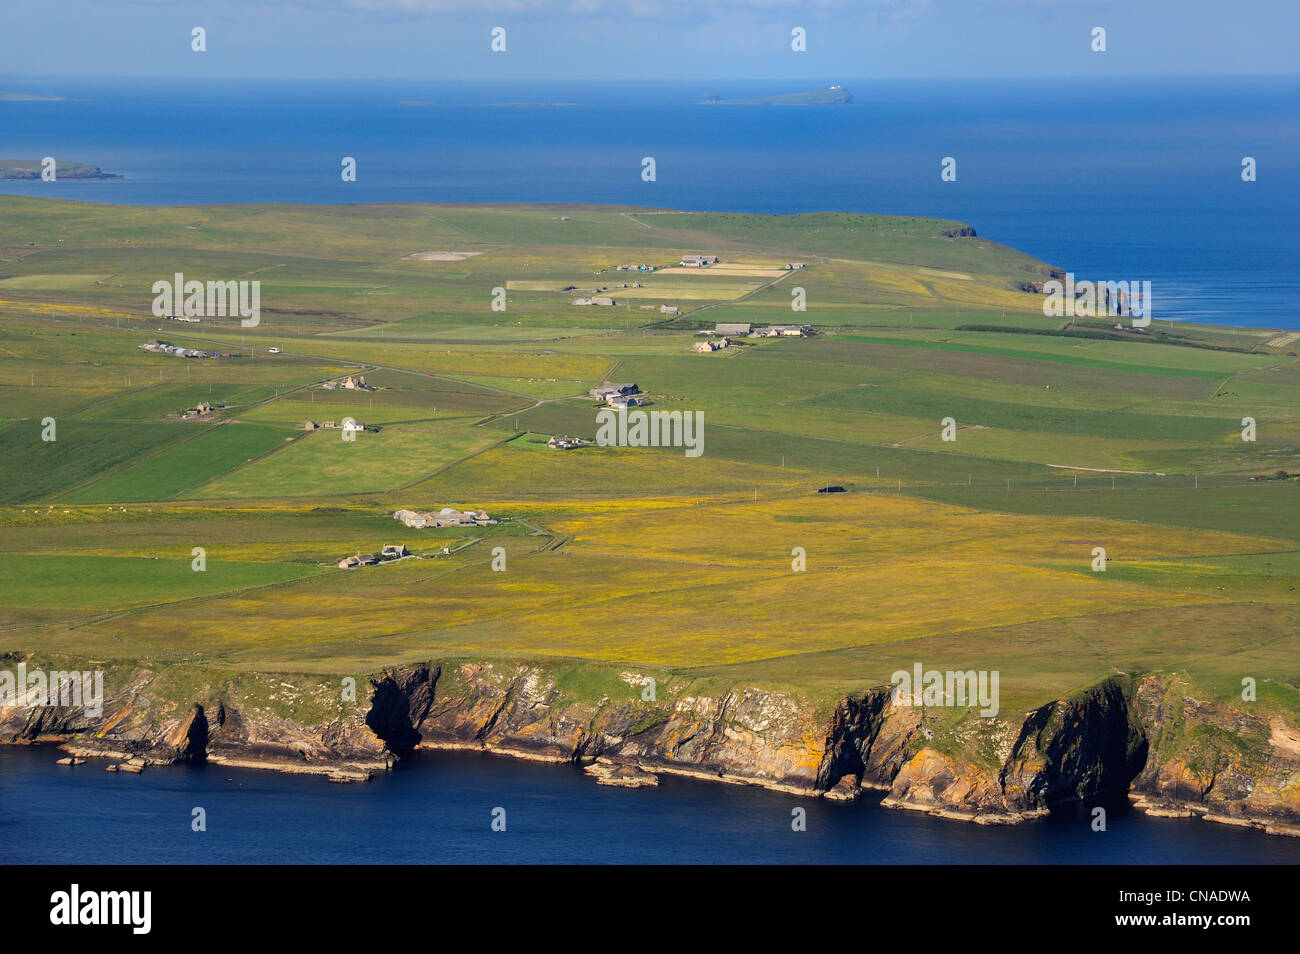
1151	736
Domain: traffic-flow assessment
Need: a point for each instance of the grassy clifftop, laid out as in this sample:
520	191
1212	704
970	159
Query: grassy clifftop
976	553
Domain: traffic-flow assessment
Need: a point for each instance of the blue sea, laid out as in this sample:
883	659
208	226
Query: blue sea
1118	179
439	808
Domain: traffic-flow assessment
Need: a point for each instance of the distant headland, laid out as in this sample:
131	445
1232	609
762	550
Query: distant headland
30	169
9	94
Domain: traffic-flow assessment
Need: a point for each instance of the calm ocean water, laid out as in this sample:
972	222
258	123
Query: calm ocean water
1119	179
439	809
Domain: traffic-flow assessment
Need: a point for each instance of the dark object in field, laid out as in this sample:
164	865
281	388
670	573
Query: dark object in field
832	489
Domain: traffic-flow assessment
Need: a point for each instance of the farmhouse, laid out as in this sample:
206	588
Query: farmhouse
360	559
348	424
607	390
794	266
566	443
202	409
595	300
731	328
412	518
784	331
624	400
394	551
669	310
704	347
698	261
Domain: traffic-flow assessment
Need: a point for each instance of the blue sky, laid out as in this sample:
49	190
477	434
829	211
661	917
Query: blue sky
647	39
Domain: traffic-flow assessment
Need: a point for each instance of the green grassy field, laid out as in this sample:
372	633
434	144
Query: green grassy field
970	553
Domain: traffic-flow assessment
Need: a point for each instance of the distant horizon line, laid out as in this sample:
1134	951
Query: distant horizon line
12	77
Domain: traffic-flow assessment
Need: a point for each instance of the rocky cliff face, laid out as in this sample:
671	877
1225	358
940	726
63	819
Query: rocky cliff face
1217	761
1149	736
1084	748
145	718
743	735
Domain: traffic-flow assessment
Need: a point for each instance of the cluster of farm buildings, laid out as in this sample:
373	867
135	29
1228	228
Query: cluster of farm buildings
347	424
610	394
349	383
418	520
202	409
704	347
618	395
704	261
567	443
163	347
686	261
743	330
446	517
393	551
722	333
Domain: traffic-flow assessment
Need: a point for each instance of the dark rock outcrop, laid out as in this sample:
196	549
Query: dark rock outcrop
399	704
1087	747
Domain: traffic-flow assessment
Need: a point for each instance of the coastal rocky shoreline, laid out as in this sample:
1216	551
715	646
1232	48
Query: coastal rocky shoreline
30	170
1150	736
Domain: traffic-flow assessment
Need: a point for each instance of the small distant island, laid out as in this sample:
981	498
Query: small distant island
419	102
830	96
9	95
28	169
